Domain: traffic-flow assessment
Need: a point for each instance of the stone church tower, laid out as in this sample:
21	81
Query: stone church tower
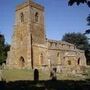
28	34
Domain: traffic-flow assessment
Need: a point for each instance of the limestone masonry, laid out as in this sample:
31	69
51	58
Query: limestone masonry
31	49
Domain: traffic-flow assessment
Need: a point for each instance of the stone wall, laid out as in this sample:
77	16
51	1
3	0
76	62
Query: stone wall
65	56
39	55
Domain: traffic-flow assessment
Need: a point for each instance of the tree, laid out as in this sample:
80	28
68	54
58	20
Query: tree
87	49
2	57
87	33
78	39
4	48
88	20
71	2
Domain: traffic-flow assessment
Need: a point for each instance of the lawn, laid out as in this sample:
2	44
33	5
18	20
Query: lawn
88	73
12	75
24	74
24	80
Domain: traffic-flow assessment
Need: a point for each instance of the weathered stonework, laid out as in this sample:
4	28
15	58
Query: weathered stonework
31	49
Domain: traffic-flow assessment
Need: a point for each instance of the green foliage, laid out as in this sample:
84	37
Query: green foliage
2	53
87	54
87	32
88	20
71	2
4	48
78	39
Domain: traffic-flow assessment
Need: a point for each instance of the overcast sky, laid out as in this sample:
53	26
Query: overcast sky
59	17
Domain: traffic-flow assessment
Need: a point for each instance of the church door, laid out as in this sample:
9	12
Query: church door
22	62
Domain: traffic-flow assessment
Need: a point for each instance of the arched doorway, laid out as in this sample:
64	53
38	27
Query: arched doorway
21	62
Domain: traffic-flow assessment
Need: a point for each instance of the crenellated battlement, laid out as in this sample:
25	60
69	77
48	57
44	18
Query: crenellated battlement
54	44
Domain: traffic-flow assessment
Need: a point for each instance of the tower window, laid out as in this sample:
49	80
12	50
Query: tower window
78	61
22	17
36	17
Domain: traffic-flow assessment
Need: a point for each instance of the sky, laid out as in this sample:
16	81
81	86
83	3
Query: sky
59	18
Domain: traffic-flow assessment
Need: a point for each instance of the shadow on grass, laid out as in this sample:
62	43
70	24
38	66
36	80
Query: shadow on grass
46	85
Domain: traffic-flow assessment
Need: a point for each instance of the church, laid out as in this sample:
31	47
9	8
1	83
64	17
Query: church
30	48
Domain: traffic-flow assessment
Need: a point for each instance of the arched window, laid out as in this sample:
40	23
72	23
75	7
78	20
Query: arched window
36	17
78	61
69	62
58	54
22	17
58	58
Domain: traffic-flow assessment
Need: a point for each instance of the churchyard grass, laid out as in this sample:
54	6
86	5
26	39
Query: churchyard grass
15	74
24	74
88	72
